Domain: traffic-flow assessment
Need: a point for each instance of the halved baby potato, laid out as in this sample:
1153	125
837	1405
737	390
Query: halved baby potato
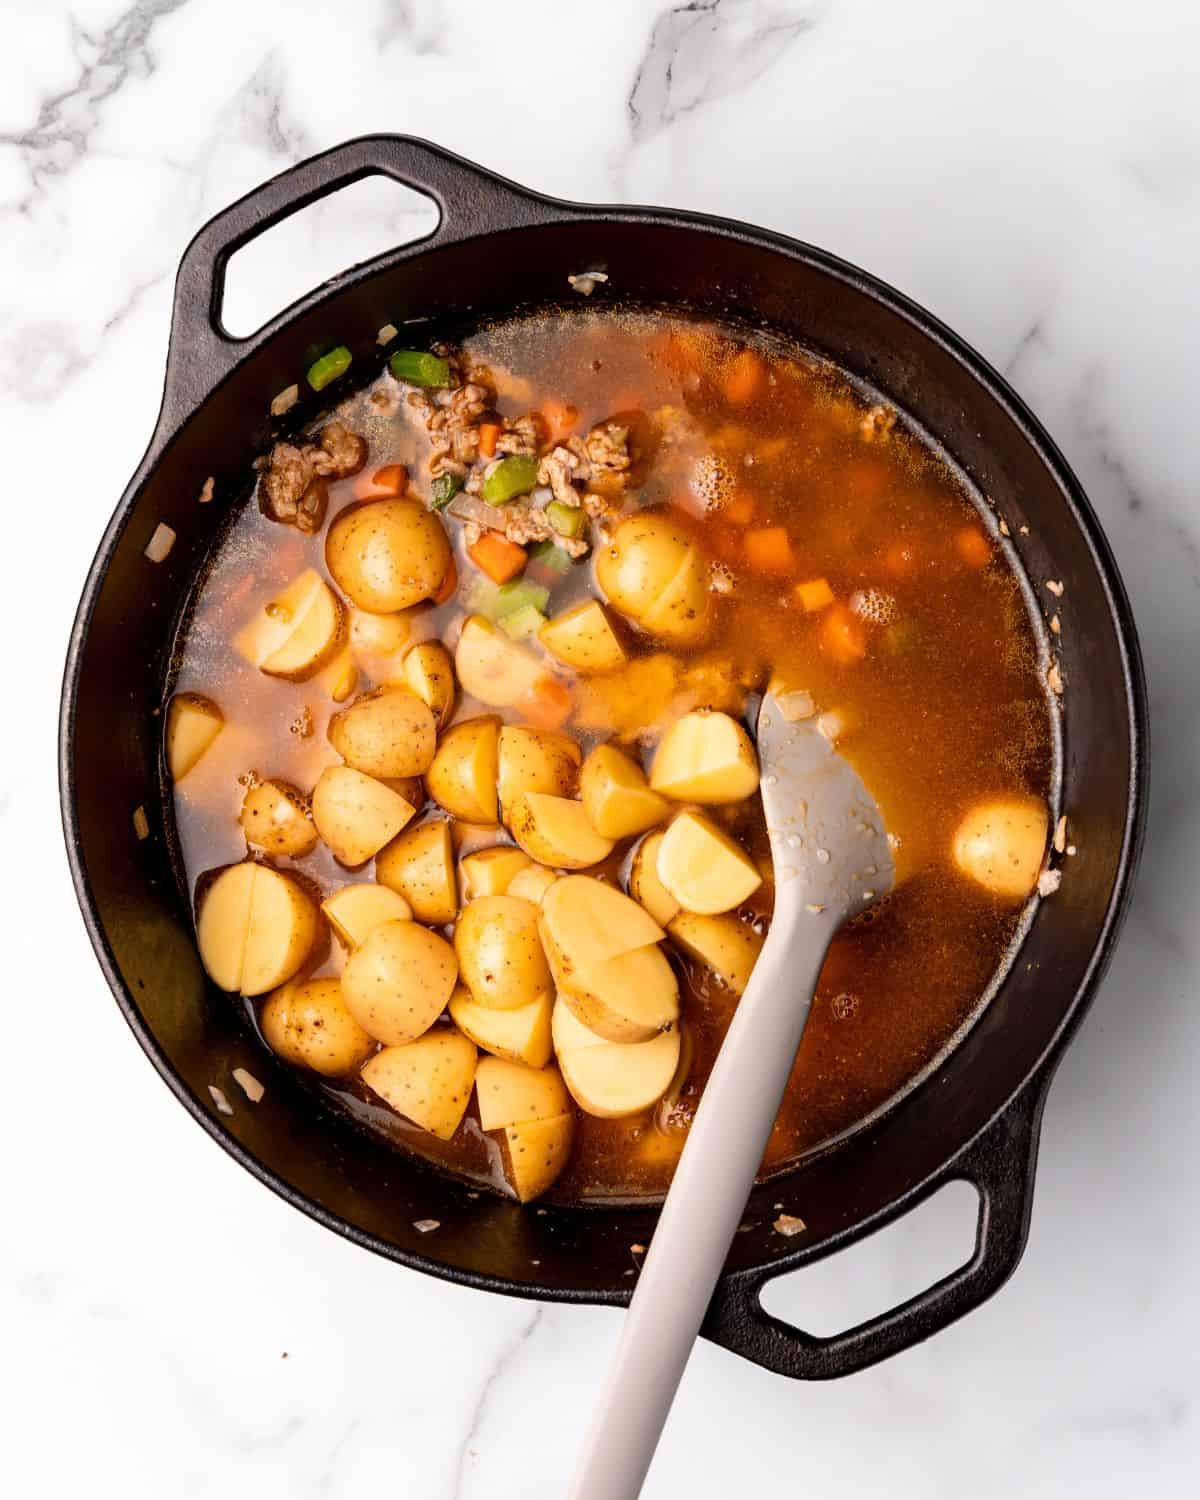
702	867
612	1079
419	864
373	636
640	560
1000	844
463	775
339	677
582	637
388	554
397	983
615	795
490	872
509	1093
538	1150
296	632
588	921
556	831
355	911
275	818
682	614
521	1035
389	732
535	760
357	815
429	672
532	883
629	998
644	885
498	671
307	1023
427	1080
255	928
500	954
722	943
705	757
193	723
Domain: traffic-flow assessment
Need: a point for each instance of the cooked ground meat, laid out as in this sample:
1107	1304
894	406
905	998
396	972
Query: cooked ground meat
347	452
607	448
558	469
293	489
520	435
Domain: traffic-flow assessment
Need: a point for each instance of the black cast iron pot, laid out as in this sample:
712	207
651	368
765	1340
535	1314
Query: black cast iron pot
496	248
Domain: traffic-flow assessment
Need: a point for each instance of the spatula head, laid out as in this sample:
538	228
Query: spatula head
828	839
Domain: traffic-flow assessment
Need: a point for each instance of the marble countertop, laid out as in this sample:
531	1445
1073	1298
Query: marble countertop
1031	172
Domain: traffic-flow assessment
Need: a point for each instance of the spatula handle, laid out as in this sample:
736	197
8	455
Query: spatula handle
703	1209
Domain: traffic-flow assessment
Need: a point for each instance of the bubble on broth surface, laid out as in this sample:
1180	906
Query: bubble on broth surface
712	480
874	605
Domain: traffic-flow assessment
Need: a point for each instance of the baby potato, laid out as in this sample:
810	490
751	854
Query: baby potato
1000	843
555	831
373	636
357	815
340	677
428	1080
510	1093
490	872
722	943
498	671
586	921
705	757
193	723
463	775
683	615
521	1035
389	732
582	637
255	928
296	632
703	868
538	1150
307	1023
429	672
535	760
629	998
644	885
615	795
419	864
500	954
275	818
388	554
612	1079
356	911
532	883
397	983
640	560
222	923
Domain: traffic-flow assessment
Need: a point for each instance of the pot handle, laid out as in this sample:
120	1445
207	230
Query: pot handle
1000	1164
470	202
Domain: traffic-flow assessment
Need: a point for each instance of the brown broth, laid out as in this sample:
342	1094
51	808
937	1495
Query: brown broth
947	705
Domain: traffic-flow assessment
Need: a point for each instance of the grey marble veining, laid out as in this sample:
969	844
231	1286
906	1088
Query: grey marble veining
1032	173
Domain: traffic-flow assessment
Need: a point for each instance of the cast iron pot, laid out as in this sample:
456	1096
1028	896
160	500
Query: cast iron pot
496	248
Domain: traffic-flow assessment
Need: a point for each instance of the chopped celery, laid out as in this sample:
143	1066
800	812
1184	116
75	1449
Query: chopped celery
329	367
522	623
551	558
480	596
417	368
519	593
443	490
567	520
512	476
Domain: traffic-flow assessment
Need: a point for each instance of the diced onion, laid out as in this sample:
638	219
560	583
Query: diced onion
159	546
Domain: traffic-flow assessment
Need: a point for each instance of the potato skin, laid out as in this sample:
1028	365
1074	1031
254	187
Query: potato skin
535	760
652	571
1000	844
462	777
419	865
387	733
355	814
307	1023
387	555
275	817
500	954
397	984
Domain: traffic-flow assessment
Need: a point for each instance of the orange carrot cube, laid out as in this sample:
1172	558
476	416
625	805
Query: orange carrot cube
813	595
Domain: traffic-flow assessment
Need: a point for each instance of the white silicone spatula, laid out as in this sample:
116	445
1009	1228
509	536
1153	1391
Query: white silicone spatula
832	859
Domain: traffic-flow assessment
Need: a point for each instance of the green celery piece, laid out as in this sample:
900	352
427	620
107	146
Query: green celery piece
329	367
567	520
417	368
551	558
512	476
443	490
518	593
522	623
480	596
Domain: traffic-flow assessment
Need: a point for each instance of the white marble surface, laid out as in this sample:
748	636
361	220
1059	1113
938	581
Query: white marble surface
1031	171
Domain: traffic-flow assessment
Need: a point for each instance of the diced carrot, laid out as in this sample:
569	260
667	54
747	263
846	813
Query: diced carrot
383	484
449	584
744	378
739	511
902	558
972	546
769	550
560	418
548	703
489	436
499	558
843	636
813	595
